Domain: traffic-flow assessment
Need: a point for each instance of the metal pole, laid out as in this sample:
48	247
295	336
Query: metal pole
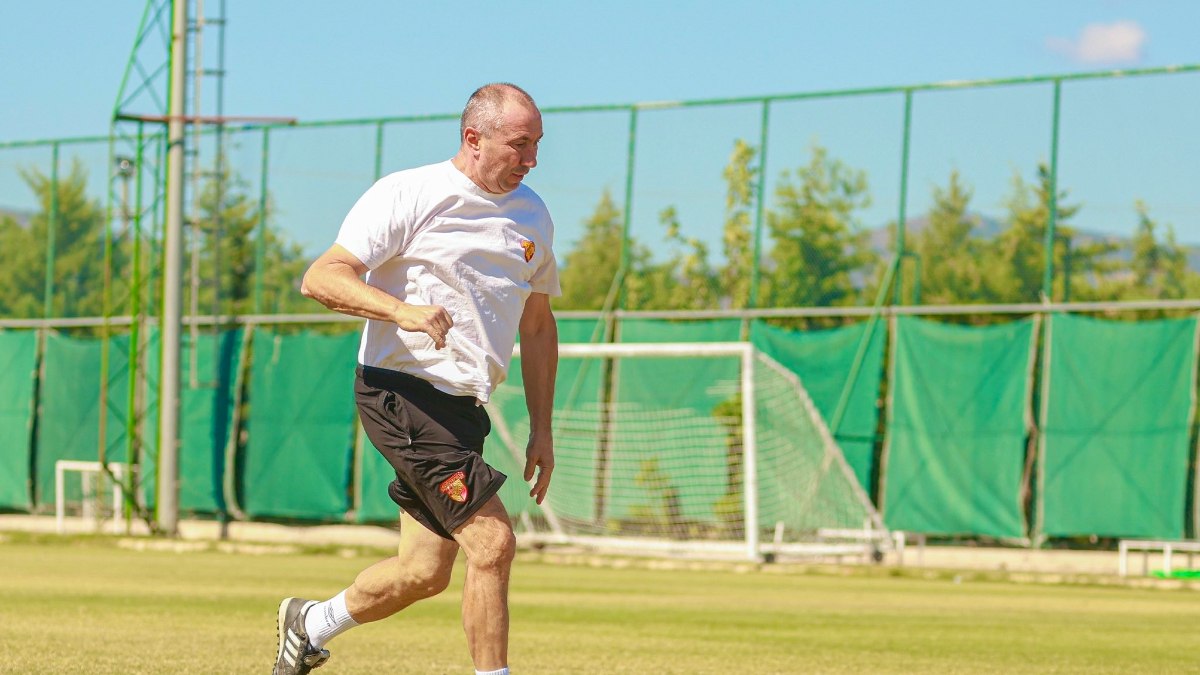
51	234
628	215
1052	218
749	454
760	200
835	421
260	244
378	150
168	466
900	220
133	416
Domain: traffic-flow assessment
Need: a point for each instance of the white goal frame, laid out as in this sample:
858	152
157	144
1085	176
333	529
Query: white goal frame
87	469
752	547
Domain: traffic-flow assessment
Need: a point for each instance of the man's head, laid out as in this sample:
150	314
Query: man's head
500	130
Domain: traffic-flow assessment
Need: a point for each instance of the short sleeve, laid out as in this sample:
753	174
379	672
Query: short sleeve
545	279
373	229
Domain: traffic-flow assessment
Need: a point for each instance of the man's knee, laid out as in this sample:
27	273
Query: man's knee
495	550
487	538
425	579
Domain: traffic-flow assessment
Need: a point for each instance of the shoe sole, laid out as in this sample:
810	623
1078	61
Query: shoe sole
281	627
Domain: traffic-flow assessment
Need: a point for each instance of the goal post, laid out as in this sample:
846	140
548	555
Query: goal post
688	449
95	485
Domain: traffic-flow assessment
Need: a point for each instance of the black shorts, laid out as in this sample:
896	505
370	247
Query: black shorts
434	441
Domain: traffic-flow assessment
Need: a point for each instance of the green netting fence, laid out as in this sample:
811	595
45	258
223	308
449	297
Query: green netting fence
825	360
1114	427
301	425
1118	401
70	406
18	365
209	385
959	417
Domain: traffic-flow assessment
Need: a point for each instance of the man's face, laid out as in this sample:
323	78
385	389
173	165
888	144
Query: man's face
509	152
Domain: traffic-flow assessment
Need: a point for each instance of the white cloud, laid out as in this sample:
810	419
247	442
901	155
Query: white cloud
1116	42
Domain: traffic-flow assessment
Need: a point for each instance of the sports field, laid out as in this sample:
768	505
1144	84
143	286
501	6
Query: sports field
89	605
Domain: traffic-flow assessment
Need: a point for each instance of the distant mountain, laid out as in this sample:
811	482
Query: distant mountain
987	227
22	217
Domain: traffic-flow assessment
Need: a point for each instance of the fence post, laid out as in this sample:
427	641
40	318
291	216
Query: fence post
900	220
760	198
51	234
1052	218
627	218
260	248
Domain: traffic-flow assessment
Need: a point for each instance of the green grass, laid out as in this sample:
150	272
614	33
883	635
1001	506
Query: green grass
87	606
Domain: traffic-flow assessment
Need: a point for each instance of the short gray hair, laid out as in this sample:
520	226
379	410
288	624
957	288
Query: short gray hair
486	105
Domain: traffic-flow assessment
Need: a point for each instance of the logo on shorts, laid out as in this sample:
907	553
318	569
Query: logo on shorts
454	487
529	249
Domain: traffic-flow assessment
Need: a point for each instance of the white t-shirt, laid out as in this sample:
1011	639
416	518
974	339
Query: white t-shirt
430	236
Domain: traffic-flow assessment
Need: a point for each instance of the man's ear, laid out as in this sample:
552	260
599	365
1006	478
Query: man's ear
471	136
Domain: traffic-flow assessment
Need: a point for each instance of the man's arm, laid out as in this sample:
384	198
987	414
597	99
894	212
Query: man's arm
539	365
335	280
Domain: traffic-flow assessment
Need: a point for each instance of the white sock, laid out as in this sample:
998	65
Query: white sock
327	620
502	671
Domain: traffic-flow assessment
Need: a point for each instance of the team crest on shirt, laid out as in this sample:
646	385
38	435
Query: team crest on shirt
454	487
529	249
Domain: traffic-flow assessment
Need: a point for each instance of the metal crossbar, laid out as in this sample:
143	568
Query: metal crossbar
1168	548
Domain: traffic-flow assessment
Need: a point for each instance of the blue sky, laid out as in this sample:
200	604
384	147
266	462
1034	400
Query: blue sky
1127	140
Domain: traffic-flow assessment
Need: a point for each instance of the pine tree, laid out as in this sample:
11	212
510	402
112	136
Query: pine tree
819	246
590	267
78	263
1158	270
948	251
740	181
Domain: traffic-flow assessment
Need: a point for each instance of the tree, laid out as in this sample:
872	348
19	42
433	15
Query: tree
78	275
588	269
228	222
948	251
1014	265
685	280
740	180
1158	270
79	254
819	247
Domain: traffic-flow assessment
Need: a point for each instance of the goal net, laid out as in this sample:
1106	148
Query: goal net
710	449
85	491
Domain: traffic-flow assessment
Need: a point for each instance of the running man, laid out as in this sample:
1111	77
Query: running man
457	258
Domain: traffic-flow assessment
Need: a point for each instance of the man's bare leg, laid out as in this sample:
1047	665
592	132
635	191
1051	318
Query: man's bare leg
421	569
488	541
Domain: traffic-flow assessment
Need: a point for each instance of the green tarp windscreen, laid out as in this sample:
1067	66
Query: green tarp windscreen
207	393
18	361
957	428
301	425
206	420
824	360
1117	406
69	413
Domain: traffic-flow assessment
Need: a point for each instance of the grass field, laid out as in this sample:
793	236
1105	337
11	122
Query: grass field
90	606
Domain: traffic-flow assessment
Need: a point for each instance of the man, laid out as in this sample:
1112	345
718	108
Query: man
458	260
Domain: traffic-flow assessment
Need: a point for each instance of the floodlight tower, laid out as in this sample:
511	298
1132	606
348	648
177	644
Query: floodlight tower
140	156
156	89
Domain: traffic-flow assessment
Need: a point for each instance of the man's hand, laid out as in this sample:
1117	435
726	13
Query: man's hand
433	320
539	454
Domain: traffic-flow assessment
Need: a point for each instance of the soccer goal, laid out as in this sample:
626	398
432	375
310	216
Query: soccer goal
697	449
94	495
